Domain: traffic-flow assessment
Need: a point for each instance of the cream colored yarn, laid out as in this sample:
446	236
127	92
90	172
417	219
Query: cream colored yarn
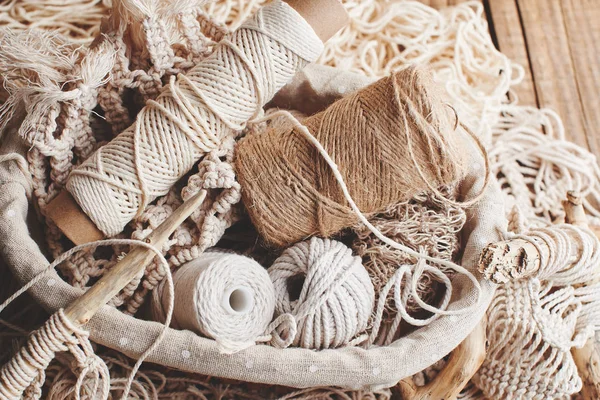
223	296
534	323
323	293
58	335
531	332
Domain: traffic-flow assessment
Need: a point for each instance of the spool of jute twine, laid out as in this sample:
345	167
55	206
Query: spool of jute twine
390	141
193	115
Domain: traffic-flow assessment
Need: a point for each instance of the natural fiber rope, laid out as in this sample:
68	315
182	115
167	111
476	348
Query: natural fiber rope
424	224
449	265
336	297
57	335
192	116
528	143
391	140
569	254
529	353
537	321
223	296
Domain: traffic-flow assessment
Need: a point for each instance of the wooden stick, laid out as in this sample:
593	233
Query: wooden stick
509	260
587	358
23	369
113	281
516	258
464	361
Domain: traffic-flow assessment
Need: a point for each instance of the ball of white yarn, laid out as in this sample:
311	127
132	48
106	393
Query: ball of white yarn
223	296
326	291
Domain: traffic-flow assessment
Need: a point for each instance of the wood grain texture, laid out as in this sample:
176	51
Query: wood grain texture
582	25
552	65
506	24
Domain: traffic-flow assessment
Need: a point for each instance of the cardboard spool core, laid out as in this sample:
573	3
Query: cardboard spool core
64	211
326	17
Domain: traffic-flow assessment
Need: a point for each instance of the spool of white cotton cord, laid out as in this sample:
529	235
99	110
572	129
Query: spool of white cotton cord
324	296
223	296
193	115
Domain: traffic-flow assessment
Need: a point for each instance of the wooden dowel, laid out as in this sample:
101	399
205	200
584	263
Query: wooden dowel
574	212
83	309
509	260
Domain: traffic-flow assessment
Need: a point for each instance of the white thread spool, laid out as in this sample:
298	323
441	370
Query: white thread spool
223	296
336	299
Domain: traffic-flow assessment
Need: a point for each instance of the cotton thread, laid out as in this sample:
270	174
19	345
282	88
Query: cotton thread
336	297
529	143
193	115
223	296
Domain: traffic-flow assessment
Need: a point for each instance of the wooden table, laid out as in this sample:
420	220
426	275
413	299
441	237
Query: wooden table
558	43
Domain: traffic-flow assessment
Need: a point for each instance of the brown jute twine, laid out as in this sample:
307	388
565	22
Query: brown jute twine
390	141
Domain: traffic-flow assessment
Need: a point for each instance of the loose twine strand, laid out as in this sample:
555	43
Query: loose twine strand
33	359
535	162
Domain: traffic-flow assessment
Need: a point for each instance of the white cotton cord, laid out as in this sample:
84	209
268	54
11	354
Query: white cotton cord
193	115
81	333
569	254
532	327
324	296
536	165
223	296
562	302
338	176
589	296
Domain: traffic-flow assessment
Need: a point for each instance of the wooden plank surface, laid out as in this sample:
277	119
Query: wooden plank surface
582	23
558	44
444	3
508	31
552	65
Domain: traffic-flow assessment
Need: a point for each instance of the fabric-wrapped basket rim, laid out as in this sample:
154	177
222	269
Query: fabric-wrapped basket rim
349	367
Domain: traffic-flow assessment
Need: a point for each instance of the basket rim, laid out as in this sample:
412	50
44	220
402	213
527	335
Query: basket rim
347	367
